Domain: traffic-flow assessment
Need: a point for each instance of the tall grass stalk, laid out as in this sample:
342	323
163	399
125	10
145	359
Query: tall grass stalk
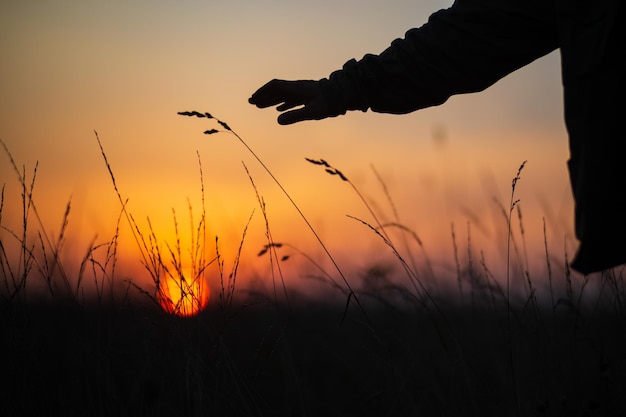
27	259
228	285
228	129
417	283
139	240
106	269
438	310
456	262
397	221
40	252
190	286
379	228
549	266
271	246
512	205
326	277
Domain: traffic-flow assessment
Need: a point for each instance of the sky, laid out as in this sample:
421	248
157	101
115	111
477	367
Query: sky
125	68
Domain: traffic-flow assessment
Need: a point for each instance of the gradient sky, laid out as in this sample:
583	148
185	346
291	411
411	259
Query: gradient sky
125	68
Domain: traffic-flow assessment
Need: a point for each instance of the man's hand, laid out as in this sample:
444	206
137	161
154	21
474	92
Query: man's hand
290	94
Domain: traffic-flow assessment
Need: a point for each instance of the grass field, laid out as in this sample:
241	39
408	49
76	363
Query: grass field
132	359
375	348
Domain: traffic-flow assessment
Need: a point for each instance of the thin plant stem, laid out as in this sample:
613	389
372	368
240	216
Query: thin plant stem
512	205
228	129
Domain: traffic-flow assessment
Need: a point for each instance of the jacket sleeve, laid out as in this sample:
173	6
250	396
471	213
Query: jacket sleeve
463	49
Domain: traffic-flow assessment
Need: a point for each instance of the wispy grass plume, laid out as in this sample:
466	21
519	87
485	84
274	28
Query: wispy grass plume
228	129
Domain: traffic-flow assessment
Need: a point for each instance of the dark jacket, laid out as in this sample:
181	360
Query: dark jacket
473	44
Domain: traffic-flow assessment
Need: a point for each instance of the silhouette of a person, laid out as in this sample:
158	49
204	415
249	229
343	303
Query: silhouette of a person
469	47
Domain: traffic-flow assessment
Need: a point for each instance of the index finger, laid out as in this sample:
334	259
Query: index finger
271	94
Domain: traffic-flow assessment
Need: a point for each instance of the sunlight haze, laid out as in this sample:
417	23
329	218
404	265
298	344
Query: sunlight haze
124	69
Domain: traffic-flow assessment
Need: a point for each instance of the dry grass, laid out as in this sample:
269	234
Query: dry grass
408	349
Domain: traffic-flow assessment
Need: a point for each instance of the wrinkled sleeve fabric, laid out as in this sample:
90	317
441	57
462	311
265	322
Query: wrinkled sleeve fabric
463	49
593	56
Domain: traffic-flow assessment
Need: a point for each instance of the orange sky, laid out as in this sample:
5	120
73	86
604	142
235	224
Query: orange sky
125	70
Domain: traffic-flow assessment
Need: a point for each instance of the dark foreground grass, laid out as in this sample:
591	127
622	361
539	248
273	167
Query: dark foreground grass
136	360
382	349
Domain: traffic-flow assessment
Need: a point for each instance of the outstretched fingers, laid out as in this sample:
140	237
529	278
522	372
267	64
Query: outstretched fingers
289	105
313	110
294	116
273	93
299	100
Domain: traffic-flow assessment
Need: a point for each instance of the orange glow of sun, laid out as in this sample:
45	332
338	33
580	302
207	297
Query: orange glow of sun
184	295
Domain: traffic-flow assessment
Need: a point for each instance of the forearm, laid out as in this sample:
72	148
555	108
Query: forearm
463	49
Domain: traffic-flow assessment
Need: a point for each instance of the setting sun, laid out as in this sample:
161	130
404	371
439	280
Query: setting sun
183	295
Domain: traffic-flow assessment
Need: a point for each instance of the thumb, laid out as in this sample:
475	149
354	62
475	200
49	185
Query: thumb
295	116
314	110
